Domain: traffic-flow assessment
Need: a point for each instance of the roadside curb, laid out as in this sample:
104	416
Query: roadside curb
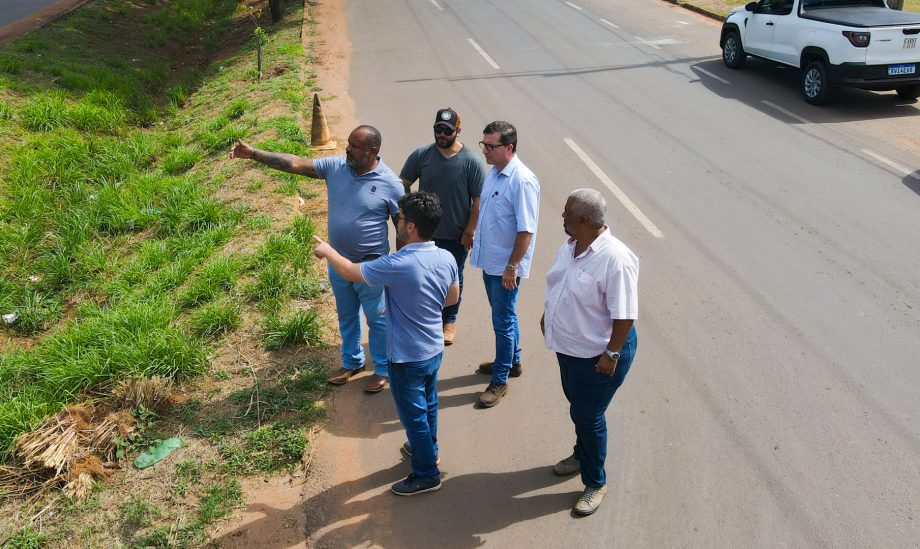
38	19
702	11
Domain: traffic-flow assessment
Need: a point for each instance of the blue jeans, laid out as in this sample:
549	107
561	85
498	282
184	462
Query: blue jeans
456	249
505	326
415	389
350	298
589	393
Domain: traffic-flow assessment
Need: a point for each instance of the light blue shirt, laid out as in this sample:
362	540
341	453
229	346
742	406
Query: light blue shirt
359	206
416	278
509	204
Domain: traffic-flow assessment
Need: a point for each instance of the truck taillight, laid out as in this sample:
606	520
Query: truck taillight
858	39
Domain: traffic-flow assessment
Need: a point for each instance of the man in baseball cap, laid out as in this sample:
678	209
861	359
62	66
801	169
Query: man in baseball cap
455	173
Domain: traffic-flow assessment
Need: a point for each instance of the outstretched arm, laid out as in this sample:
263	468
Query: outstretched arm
279	161
345	268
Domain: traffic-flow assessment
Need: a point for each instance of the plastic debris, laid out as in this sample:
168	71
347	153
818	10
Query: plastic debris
158	453
151	211
10	318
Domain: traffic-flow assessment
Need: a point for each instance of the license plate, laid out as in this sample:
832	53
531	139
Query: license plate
896	70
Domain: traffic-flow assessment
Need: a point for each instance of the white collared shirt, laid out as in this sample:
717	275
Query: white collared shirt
585	294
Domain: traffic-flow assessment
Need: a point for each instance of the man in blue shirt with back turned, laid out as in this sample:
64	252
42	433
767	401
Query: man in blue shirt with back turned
420	280
362	193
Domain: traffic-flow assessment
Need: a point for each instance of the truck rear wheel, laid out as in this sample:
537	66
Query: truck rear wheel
732	52
909	92
815	87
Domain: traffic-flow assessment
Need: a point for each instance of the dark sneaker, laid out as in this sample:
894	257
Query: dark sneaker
568	466
493	393
590	500
407	449
414	485
486	368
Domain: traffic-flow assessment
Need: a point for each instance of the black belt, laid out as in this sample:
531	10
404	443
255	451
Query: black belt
368	257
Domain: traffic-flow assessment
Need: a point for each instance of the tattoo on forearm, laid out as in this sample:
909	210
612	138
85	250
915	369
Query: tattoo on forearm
279	161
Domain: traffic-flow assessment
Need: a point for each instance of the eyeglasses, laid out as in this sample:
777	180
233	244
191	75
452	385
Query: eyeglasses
443	130
401	217
490	146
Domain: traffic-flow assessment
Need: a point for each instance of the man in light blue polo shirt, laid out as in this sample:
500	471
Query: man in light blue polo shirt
420	280
362	193
509	209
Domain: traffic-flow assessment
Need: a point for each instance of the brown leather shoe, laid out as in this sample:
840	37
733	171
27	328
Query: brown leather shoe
375	384
486	368
450	332
343	375
493	393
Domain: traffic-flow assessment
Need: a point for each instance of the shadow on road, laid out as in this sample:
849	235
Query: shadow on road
364	512
761	81
912	182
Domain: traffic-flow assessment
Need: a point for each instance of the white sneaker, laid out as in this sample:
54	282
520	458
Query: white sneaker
590	500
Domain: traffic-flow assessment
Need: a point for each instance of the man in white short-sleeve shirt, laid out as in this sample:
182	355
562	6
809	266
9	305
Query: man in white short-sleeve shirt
590	304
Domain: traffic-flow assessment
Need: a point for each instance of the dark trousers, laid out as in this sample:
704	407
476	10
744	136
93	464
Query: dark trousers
456	249
589	394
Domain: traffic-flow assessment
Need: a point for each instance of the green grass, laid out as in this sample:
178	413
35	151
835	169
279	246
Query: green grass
27	538
121	255
138	512
300	327
216	319
269	449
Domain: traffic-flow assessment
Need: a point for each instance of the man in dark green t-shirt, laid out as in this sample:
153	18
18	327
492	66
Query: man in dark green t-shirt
453	172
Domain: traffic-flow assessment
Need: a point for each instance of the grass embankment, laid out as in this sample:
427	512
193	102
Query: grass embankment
722	8
131	247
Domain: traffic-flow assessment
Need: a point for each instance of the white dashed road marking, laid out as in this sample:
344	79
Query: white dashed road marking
619	194
788	113
604	21
437	5
647	43
573	6
891	164
483	53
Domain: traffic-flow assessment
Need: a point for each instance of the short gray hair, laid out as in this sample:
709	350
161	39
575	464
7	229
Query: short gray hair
591	204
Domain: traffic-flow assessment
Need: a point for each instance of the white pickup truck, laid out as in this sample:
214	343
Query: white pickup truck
835	43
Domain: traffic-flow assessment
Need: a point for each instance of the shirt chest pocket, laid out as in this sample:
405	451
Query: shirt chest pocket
582	283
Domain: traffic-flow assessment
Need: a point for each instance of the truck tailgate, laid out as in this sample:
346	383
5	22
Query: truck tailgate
894	45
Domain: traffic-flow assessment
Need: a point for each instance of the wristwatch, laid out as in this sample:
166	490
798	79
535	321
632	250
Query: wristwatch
511	267
613	355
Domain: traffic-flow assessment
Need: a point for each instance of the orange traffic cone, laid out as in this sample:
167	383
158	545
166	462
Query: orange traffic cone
319	132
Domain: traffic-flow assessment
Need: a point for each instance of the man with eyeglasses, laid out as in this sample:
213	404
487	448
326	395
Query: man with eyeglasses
420	280
505	237
362	193
453	172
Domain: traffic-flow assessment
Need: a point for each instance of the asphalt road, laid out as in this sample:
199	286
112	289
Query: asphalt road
14	10
774	398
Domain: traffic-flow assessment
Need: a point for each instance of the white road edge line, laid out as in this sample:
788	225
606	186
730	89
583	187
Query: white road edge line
604	21
647	43
788	113
713	76
573	6
619	194
437	5
891	164
483	53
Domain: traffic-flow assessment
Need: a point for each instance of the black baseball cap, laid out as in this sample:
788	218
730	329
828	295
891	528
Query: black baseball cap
448	117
